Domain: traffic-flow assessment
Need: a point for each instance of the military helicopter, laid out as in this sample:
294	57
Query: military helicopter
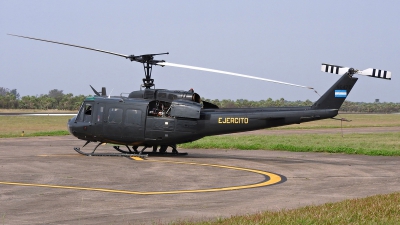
161	118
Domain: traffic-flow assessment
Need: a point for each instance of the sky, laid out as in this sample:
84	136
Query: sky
279	40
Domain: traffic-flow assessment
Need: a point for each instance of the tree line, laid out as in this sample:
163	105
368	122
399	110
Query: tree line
56	99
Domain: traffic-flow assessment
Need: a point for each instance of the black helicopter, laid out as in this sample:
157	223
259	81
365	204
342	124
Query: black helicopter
160	118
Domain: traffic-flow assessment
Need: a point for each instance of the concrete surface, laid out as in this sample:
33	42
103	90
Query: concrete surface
312	178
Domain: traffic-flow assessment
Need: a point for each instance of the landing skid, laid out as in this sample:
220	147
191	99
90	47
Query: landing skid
135	153
152	153
162	151
78	150
126	152
166	153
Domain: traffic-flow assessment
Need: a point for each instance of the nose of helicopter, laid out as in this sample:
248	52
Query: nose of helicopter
69	124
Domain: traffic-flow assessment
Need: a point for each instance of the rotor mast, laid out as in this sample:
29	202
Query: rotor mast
148	62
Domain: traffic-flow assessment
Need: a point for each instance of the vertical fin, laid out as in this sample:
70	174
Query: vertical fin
335	96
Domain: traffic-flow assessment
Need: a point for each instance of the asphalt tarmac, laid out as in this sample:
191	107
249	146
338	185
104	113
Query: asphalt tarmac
44	181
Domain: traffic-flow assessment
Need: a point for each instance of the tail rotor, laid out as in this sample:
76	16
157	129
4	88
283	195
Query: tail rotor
340	70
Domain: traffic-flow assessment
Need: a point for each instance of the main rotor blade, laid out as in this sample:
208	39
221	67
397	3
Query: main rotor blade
94	90
61	43
228	73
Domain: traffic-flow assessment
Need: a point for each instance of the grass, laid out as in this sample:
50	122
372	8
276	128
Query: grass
37	111
357	120
36	134
30	124
12	126
379	209
369	144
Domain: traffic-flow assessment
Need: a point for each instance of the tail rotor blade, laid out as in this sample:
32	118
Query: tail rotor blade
376	73
228	73
340	70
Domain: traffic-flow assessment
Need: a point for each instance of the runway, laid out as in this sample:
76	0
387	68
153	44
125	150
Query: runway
43	180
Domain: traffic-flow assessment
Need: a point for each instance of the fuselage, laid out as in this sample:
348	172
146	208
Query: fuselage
137	122
158	117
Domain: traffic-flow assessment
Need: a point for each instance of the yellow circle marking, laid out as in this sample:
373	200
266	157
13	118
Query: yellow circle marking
274	178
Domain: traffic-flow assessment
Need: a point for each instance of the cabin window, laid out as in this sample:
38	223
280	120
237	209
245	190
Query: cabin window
115	115
172	96
162	95
159	108
133	117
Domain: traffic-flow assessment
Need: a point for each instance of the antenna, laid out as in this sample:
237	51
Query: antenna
109	96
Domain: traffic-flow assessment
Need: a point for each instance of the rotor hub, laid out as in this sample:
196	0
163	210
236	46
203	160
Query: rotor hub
148	62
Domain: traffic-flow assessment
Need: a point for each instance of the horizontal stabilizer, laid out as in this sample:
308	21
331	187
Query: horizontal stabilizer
340	70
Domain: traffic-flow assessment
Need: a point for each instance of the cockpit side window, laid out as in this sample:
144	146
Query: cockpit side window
88	110
88	113
85	113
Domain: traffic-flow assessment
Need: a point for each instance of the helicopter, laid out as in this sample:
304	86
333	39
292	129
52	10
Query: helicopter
162	118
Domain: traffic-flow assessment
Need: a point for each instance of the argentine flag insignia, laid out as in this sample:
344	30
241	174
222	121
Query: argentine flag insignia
340	93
